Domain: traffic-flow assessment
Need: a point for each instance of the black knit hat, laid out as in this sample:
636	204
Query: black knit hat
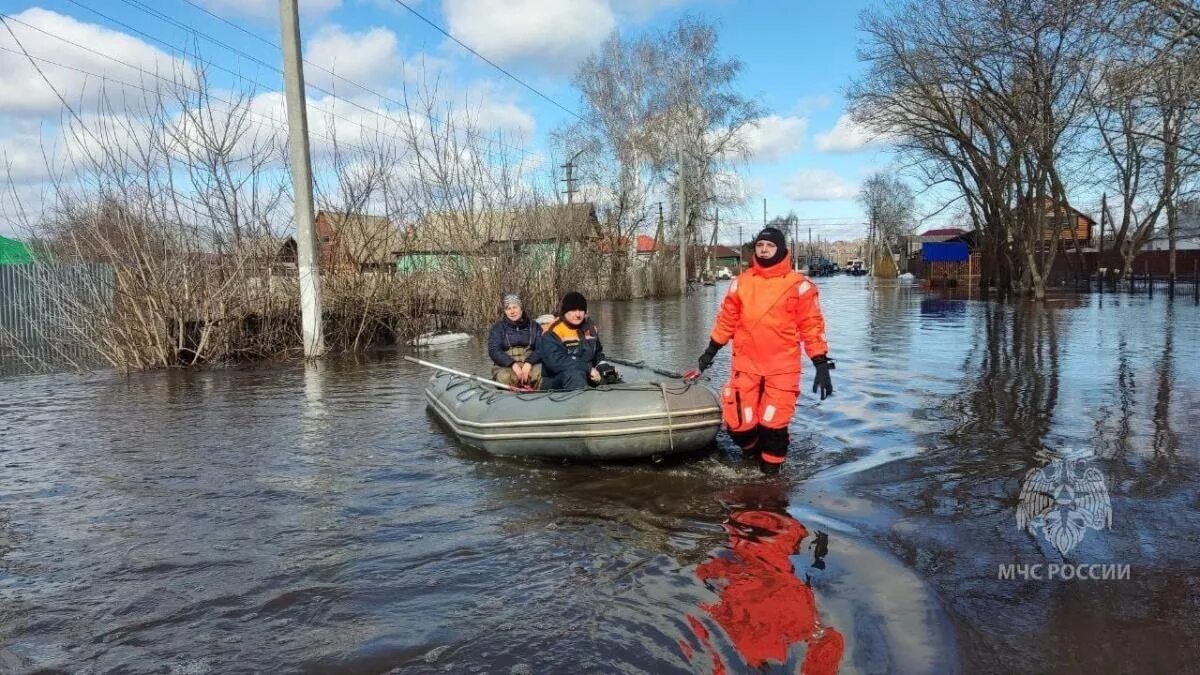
573	301
773	235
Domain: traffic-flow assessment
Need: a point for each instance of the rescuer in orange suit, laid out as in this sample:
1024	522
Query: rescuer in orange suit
767	312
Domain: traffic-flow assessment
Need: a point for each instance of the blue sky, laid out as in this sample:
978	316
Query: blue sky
798	57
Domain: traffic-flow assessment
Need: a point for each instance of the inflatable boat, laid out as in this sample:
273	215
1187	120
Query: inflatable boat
620	421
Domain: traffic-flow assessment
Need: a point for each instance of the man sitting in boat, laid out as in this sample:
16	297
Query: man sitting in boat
513	346
571	351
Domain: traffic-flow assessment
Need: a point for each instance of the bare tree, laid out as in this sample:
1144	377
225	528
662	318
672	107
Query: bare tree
890	207
986	96
658	109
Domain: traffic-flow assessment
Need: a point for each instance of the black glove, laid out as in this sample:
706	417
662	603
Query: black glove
709	354
608	374
822	383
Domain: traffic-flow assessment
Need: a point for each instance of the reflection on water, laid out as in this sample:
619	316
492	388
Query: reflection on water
312	518
763	607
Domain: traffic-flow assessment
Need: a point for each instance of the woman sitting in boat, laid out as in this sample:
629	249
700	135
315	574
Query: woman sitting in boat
571	351
513	346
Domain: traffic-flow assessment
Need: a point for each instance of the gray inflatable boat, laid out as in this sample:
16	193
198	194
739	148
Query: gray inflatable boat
621	421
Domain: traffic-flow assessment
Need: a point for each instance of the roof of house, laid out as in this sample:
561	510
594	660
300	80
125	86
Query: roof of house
724	252
471	231
366	239
943	232
268	248
646	244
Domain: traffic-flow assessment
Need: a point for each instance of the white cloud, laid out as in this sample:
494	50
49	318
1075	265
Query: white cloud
268	10
508	118
818	185
368	57
371	58
773	137
23	91
846	136
553	33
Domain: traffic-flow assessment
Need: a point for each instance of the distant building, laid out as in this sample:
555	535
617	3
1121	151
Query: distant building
541	233
357	242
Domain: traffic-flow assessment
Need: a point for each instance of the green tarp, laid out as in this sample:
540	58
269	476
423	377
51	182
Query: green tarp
13	252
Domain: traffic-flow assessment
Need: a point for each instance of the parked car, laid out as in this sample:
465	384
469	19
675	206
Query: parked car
724	273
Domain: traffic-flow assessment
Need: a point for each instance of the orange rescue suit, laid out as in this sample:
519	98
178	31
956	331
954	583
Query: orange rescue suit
768	312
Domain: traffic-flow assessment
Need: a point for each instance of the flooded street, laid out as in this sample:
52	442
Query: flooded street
315	519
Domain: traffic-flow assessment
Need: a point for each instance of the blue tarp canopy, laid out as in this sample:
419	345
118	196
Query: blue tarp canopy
944	251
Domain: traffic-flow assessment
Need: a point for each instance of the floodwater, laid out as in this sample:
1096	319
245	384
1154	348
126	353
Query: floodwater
294	519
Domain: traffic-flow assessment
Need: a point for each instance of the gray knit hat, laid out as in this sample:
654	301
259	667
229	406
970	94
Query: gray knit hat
511	299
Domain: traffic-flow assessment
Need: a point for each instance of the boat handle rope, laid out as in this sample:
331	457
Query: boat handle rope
670	425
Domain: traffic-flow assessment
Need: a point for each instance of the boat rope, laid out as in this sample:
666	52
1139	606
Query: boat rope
670	425
464	390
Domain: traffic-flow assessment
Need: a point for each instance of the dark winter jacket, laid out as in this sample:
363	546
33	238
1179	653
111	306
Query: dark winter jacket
564	349
505	334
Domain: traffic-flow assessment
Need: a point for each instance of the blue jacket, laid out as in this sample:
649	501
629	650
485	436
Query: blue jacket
579	350
506	334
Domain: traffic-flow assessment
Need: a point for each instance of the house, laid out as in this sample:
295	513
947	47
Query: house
647	247
954	261
534	233
938	235
357	242
909	245
1187	231
1074	226
721	256
272	255
13	252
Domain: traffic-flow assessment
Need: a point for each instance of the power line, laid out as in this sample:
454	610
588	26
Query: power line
272	122
269	66
238	27
176	82
491	63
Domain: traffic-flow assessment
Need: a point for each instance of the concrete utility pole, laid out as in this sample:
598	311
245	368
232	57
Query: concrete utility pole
682	228
307	262
307	251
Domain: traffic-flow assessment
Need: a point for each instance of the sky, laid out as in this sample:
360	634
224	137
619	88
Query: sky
798	58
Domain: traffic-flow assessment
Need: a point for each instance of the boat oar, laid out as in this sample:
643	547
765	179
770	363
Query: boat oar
642	364
459	373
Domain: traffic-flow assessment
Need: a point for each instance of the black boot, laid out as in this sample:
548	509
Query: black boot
773	446
748	441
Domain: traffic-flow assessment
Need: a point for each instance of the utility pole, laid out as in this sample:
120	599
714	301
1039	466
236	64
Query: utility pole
570	167
659	238
682	228
307	262
740	246
764	211
570	181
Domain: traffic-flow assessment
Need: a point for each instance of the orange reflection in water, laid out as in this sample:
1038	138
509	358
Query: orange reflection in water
763	608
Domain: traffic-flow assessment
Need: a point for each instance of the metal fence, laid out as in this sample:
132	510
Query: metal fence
39	308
